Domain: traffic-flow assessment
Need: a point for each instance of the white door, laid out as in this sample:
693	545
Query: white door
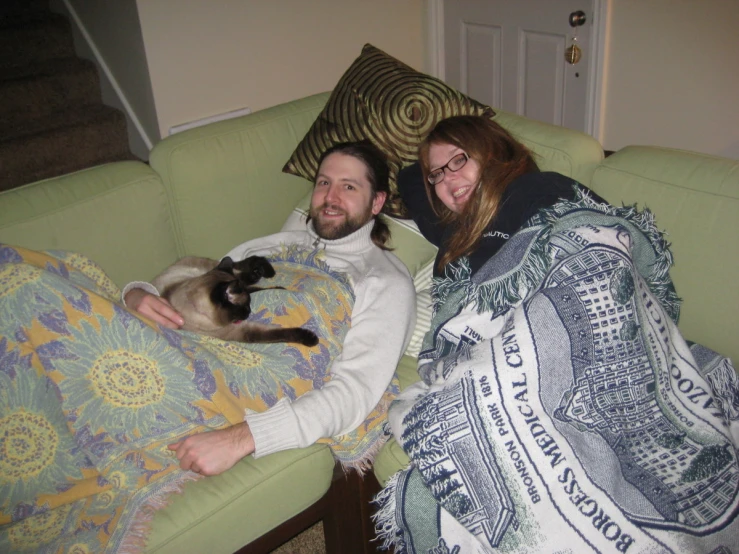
510	54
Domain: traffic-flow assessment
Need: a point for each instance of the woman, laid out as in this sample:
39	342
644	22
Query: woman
474	187
531	355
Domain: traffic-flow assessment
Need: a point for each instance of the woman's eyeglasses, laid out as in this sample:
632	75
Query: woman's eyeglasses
453	165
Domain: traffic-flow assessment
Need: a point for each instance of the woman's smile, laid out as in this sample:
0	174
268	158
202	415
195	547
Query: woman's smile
461	191
457	187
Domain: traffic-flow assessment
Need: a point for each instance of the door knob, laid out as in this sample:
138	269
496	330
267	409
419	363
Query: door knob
577	18
573	53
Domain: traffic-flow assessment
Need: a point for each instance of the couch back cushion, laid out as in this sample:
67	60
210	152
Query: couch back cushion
231	171
555	148
117	214
695	199
225	179
226	185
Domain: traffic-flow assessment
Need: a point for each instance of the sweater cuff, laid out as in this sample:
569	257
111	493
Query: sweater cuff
148	287
273	430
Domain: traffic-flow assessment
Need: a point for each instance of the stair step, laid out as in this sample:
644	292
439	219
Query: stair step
66	117
91	136
51	118
39	39
17	12
40	89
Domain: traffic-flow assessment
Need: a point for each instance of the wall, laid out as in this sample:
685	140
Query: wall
210	57
116	33
670	79
671	75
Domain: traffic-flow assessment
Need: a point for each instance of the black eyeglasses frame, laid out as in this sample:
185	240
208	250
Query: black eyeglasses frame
446	167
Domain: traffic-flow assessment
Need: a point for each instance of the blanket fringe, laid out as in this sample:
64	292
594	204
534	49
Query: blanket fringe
386	529
135	538
363	463
725	385
500	293
507	291
457	276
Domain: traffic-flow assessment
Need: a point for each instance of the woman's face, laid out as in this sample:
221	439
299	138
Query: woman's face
458	186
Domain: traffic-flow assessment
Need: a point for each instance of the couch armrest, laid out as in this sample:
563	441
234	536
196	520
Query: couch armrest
695	199
117	214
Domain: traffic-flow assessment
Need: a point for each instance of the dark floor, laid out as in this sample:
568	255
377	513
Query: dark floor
309	541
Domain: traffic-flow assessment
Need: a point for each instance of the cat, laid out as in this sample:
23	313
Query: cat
214	299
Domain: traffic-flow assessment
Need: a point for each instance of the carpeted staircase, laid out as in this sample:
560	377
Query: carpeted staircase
52	120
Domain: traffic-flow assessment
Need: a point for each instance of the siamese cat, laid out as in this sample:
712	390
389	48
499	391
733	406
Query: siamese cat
214	299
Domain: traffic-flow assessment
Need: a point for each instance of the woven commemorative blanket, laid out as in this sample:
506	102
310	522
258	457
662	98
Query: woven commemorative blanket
91	395
560	409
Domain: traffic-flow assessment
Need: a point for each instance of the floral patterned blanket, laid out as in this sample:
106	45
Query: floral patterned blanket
91	395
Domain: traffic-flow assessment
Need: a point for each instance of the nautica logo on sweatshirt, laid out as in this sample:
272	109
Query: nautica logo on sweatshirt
497	234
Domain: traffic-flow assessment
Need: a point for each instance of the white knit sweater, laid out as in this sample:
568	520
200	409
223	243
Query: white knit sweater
381	324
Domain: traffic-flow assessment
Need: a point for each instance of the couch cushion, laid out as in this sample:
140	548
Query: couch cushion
117	214
220	514
695	198
407	371
388	102
391	458
555	148
225	179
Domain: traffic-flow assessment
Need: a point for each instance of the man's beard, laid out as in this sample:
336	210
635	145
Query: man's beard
334	230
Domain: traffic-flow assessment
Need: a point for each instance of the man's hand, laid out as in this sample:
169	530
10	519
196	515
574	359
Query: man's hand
214	452
155	308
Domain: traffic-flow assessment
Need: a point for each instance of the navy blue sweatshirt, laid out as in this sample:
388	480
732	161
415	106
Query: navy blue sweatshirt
523	197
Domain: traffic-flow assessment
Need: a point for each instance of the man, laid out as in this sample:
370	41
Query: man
350	188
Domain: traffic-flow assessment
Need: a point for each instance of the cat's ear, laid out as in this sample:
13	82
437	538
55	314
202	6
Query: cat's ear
226	264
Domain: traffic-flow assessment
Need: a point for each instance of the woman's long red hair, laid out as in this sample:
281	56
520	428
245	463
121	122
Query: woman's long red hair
501	159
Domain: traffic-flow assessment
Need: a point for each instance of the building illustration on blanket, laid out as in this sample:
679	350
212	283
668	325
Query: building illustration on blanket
615	395
563	410
441	433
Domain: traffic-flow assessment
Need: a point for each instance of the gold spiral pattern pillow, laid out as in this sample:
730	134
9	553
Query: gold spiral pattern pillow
381	99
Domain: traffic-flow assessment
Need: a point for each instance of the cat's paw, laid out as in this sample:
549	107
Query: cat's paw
306	337
250	270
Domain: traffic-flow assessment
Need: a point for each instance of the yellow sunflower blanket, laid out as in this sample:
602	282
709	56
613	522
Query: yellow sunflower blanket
91	395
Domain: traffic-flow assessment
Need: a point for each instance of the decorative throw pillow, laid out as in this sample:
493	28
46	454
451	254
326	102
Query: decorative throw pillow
381	99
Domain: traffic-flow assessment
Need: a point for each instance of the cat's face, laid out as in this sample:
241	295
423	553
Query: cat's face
342	200
213	300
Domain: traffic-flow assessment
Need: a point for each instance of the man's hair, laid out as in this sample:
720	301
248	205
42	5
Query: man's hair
378	175
501	159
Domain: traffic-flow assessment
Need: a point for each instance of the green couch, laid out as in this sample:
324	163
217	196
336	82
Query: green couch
213	187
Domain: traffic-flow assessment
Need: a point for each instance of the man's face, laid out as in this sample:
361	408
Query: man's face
342	199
